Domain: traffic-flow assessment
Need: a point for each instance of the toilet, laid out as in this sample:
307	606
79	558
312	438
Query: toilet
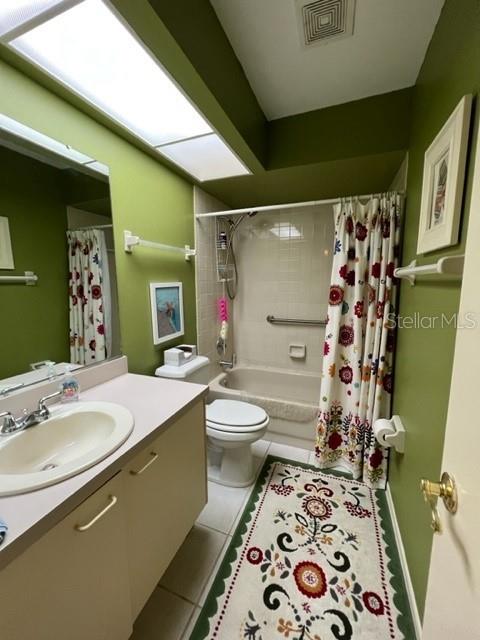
232	426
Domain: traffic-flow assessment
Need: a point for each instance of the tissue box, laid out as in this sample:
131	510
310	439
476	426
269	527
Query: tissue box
176	356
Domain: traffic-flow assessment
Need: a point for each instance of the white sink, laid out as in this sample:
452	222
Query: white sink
73	439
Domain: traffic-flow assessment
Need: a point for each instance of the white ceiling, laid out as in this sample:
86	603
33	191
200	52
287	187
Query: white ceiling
384	54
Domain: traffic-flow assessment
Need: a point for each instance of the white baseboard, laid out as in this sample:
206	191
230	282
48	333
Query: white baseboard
403	561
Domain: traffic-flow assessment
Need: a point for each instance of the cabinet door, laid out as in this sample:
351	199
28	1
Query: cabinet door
166	489
73	582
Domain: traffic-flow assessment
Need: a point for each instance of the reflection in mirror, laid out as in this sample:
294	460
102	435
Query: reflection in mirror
58	285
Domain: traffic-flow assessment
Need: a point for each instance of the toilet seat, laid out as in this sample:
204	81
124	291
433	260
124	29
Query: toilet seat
234	416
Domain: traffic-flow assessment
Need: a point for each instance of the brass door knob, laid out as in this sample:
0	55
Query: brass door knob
445	489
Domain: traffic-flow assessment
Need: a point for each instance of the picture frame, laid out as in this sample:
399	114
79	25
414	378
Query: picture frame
443	181
166	299
6	253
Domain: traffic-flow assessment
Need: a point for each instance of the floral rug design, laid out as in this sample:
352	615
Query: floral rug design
313	558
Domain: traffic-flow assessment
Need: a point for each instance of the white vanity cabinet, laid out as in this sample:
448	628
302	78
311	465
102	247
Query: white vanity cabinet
90	575
73	582
165	490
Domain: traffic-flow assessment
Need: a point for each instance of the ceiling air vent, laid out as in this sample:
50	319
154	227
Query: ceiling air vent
323	21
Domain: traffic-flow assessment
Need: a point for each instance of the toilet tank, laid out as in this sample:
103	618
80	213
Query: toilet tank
195	369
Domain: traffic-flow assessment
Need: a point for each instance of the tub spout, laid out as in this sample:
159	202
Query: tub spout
228	364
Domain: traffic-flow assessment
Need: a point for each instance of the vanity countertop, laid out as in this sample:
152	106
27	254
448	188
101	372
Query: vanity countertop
154	403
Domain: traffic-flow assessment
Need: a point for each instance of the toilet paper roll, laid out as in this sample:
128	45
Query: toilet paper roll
382	428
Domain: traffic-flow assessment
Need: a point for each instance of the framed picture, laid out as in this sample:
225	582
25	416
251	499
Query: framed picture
443	181
166	299
6	254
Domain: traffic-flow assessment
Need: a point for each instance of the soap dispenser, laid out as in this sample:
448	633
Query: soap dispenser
69	386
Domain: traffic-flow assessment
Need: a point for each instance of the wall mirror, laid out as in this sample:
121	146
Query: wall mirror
58	284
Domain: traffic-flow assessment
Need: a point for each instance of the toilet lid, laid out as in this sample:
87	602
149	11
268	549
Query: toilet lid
234	413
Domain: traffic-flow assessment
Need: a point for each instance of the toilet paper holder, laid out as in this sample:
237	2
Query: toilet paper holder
390	433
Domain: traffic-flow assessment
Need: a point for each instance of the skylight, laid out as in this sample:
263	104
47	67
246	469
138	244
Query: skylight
15	13
20	130
92	51
204	157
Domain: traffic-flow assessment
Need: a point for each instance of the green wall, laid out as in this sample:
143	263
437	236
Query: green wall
309	156
33	320
81	188
424	356
379	124
356	147
353	147
147	198
345	176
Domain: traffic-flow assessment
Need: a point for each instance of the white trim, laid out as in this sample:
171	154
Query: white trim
403	562
450	142
157	339
290	205
6	253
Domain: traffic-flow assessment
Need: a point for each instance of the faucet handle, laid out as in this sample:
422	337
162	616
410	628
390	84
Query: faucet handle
9	423
42	407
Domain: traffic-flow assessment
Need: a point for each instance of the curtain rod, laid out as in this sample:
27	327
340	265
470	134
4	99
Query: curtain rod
93	226
291	205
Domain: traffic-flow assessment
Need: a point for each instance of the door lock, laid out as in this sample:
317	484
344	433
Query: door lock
445	489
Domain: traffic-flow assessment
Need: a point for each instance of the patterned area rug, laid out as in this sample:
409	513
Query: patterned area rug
313	558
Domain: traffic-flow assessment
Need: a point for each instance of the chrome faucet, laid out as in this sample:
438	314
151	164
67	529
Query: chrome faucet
229	364
12	425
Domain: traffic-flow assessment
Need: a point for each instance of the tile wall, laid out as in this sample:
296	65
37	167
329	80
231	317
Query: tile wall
207	286
284	261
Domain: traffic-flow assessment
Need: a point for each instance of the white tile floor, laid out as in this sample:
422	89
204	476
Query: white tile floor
173	608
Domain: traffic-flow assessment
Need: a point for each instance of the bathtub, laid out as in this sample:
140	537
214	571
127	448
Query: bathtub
289	398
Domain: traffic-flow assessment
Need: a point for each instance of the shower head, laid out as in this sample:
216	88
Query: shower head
233	226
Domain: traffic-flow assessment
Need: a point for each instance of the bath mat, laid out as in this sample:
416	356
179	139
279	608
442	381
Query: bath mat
313	558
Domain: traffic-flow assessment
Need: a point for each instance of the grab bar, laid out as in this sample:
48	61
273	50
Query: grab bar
313	323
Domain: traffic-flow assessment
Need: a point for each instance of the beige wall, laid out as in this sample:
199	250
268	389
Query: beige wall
207	286
285	277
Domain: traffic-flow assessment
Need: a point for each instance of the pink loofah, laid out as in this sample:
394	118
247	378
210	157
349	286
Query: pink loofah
222	308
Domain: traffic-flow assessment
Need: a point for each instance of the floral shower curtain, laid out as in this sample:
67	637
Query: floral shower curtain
87	264
358	352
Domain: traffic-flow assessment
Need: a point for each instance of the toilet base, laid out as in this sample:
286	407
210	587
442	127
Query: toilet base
235	468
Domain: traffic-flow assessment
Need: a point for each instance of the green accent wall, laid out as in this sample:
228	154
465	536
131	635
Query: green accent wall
147	198
81	188
345	176
352	148
379	124
236	127
34	320
424	356
356	147
316	153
